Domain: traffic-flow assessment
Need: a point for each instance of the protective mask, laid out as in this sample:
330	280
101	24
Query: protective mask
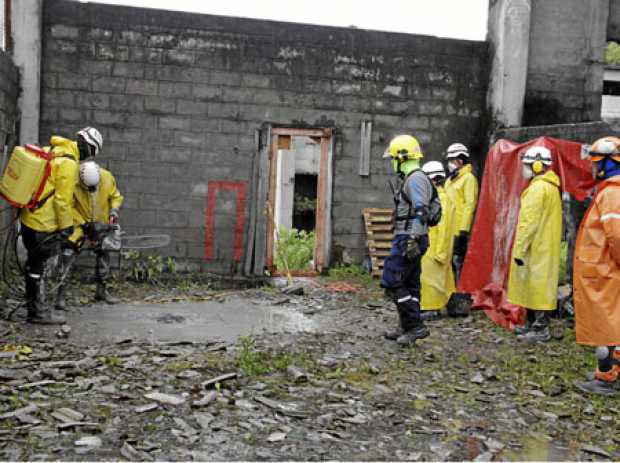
527	172
84	149
452	167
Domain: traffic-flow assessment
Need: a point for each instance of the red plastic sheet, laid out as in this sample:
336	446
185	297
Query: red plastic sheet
485	270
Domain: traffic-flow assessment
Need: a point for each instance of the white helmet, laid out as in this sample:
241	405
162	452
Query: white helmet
457	149
434	169
89	174
92	136
537	153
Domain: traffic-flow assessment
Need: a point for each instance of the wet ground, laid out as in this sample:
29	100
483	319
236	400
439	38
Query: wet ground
262	375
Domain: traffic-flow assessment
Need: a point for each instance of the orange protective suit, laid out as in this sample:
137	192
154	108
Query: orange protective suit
596	276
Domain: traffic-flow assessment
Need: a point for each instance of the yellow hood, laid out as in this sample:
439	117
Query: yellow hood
63	147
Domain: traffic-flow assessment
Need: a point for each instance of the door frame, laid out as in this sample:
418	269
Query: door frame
324	194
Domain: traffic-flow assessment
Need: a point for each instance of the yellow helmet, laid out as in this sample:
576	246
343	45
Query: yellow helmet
403	148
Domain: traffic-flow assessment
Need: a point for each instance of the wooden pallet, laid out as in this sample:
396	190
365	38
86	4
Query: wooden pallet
378	222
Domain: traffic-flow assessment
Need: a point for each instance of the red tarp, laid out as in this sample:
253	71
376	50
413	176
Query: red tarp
485	271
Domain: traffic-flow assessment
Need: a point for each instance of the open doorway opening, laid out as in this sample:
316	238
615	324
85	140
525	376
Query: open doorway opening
300	194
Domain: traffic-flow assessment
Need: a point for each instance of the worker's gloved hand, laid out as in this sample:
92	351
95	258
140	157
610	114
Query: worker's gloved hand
413	251
65	233
460	244
519	262
114	216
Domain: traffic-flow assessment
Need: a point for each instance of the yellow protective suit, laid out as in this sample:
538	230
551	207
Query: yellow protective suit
596	273
56	212
463	189
537	243
95	206
437	276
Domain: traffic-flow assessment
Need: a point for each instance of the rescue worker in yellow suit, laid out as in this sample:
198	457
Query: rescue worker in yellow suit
97	204
51	222
535	267
437	275
596	272
462	187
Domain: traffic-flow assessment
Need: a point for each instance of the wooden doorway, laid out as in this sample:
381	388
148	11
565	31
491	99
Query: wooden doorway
296	158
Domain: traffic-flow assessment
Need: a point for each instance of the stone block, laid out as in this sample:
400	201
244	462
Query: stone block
175	89
206	124
105	52
225	78
109	84
206	92
188	139
142	87
131	38
174	122
158	105
131	70
73	81
256	80
191	107
101	35
61	31
176	57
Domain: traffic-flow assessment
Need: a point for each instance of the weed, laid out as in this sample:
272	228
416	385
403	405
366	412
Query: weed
251	362
110	361
351	273
295	249
147	267
178	366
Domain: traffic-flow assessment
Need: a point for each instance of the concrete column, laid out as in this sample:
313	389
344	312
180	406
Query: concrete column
26	19
509	39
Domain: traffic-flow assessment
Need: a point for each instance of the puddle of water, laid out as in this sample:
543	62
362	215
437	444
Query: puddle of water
537	450
185	321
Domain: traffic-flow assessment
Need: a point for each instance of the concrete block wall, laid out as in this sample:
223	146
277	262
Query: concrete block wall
179	97
585	132
566	61
9	92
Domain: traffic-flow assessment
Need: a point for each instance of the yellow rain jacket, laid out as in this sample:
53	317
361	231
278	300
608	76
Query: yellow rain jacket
437	276
95	206
537	243
56	212
463	189
596	272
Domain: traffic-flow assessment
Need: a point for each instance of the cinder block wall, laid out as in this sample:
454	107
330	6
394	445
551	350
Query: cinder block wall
179	97
9	92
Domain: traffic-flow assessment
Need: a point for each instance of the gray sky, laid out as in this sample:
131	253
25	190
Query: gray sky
463	19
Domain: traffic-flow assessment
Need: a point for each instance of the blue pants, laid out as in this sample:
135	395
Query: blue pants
401	279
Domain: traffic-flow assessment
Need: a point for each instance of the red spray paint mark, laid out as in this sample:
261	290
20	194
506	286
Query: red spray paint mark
213	188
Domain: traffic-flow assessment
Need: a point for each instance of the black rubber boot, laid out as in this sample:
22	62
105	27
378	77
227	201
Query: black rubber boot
530	318
430	314
103	295
38	311
410	337
598	387
539	331
394	334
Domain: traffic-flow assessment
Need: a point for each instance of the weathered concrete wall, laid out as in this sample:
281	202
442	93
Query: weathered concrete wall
509	39
613	23
565	67
179	96
9	92
585	132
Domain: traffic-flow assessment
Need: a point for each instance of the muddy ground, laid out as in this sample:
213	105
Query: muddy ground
302	377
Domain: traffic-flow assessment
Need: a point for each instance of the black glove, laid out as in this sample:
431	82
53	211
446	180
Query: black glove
460	244
519	262
65	233
413	251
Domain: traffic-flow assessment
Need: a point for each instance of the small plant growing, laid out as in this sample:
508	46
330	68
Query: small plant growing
145	268
295	249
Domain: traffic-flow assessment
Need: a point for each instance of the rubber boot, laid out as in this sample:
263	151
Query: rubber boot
430	314
38	312
539	332
523	329
393	335
410	337
103	295
598	387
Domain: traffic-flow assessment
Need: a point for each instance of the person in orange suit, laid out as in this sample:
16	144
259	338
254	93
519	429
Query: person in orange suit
596	273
